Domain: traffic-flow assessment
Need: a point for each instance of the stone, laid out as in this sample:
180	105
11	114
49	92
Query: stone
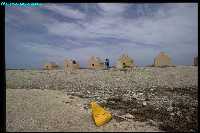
140	93
134	110
144	103
178	113
170	109
151	89
172	114
128	116
153	122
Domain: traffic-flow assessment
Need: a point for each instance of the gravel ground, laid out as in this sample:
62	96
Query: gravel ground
54	111
163	97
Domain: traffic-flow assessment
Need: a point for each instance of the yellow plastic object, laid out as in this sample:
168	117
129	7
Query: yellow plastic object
99	114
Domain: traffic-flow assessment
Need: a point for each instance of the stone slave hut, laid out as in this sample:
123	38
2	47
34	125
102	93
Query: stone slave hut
162	60
50	66
70	64
125	61
196	61
95	63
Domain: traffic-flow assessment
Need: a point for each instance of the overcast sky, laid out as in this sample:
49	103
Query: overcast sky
52	32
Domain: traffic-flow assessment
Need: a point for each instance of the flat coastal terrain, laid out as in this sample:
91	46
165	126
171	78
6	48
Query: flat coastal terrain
142	99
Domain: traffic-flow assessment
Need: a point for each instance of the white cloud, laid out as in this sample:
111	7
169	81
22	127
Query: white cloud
65	11
65	29
27	15
112	8
170	30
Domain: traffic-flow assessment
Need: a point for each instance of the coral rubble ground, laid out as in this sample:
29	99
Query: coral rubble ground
165	99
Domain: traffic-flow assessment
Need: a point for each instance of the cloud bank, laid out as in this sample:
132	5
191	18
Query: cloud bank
53	32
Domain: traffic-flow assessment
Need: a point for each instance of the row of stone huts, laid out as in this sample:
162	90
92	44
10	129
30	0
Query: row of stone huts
124	61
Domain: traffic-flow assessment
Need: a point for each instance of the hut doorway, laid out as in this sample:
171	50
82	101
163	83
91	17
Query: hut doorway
74	62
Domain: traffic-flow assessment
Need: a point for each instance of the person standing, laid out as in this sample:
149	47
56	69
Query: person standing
107	63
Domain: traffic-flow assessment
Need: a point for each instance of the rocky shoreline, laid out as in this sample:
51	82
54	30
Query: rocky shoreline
166	97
